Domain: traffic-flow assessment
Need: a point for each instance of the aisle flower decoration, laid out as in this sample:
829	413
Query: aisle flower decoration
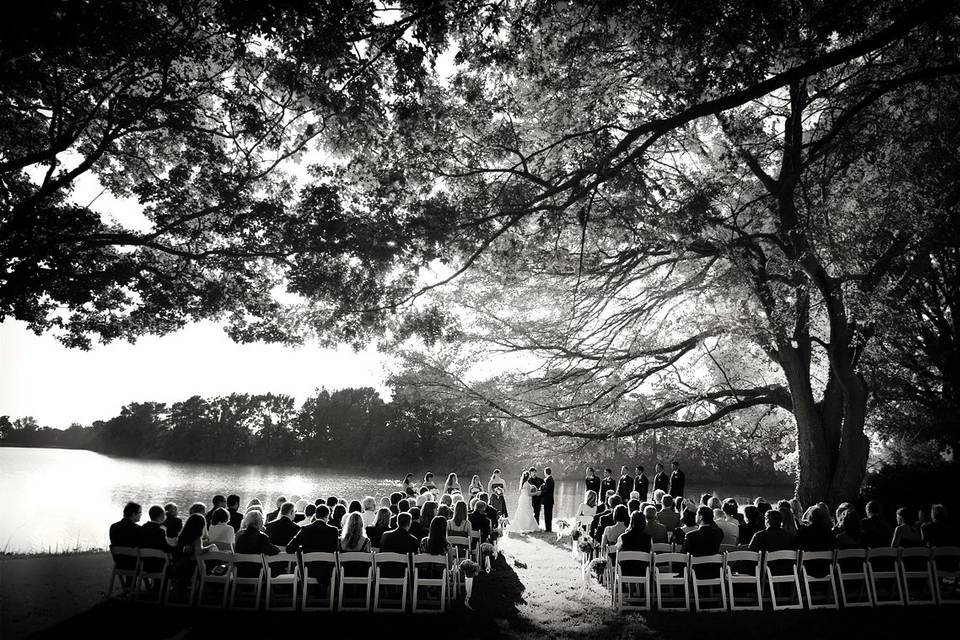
469	568
586	546
599	567
577	534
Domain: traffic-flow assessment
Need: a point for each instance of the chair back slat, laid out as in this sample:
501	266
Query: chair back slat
743	556
632	556
429	559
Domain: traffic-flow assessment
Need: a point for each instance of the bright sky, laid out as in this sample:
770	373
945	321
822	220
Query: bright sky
58	386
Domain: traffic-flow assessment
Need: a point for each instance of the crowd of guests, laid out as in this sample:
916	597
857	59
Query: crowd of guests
410	520
701	529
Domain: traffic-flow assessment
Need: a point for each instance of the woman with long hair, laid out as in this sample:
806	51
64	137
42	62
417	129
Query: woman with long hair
428	482
379	526
790	520
476	488
407	485
336	516
906	534
496	480
428	511
452	484
354	538
589	505
189	546
355	507
460	525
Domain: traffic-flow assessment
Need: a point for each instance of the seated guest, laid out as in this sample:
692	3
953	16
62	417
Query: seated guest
233	508
435	543
729	527
253	540
189	546
445	511
332	503
635	505
355	507
939	532
479	520
427	513
715	503
773	538
273	515
498	502
152	533
668	516
705	500
705	541
198	508
221	533
395	499
688	523
876	531
653	527
846	534
817	536
253	504
906	533
731	509
398	540
460	524
300	510
282	530
611	535
126	533
752	523
416	529
318	536
635	538
403	506
172	523
795	506
308	512
790	523
763	507
379	526
354	538
589	505
604	519
337	514
658	496
490	512
369	511
219	502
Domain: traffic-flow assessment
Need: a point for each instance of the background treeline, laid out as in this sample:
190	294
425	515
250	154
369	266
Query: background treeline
355	428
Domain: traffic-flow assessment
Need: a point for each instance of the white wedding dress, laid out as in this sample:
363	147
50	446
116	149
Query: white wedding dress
523	520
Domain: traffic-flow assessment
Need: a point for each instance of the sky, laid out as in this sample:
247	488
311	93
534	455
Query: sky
40	377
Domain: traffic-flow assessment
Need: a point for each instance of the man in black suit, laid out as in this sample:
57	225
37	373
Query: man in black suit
233	508
536	482
546	499
273	515
607	484
704	541
417	529
491	513
593	483
126	533
661	480
219	502
479	520
773	538
876	532
282	530
641	484
398	540
318	536
172	524
154	536
677	480
604	519
624	484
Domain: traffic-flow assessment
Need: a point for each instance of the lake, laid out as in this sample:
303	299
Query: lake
62	499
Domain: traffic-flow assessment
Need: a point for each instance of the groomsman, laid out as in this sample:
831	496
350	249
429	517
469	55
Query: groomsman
641	484
677	480
546	499
624	484
607	484
536	482
593	483
661	480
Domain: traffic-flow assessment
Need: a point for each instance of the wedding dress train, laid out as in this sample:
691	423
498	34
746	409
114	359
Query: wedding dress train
523	520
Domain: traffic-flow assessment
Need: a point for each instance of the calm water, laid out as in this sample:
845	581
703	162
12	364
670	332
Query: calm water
66	499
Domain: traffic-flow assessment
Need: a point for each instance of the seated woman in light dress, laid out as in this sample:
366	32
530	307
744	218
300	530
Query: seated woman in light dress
588	509
221	533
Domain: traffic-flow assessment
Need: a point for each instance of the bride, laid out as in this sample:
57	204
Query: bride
523	520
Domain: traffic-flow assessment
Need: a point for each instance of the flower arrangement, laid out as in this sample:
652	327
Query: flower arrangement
561	524
469	568
504	522
586	546
494	535
599	567
577	534
487	549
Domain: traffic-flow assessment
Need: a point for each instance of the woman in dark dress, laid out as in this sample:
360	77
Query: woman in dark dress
381	524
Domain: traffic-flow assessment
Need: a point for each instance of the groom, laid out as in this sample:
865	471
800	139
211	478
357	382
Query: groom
546	498
536	483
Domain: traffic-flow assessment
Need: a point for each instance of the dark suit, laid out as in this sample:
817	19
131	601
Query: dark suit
397	541
153	536
173	526
634	540
593	484
876	532
705	541
546	498
677	479
600	523
661	481
417	530
282	530
273	515
125	533
607	484
492	513
774	539
316	537
251	540
624	487
236	519
480	522
536	483
641	484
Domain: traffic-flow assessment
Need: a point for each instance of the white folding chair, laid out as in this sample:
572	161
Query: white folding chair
361	560
671	570
946	574
662	547
916	570
207	576
882	566
584	522
626	601
288	576
430	564
319	579
851	566
387	605
126	565
725	548
735	569
830	600
475	547
786	558
461	545
702	562
254	563
152	573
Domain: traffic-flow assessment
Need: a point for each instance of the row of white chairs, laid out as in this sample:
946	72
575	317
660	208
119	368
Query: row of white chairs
847	577
428	583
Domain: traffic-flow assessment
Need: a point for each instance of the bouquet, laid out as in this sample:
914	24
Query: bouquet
586	546
486	549
494	536
469	568
599	567
577	534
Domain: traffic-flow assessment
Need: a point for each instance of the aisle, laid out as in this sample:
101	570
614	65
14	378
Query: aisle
551	604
